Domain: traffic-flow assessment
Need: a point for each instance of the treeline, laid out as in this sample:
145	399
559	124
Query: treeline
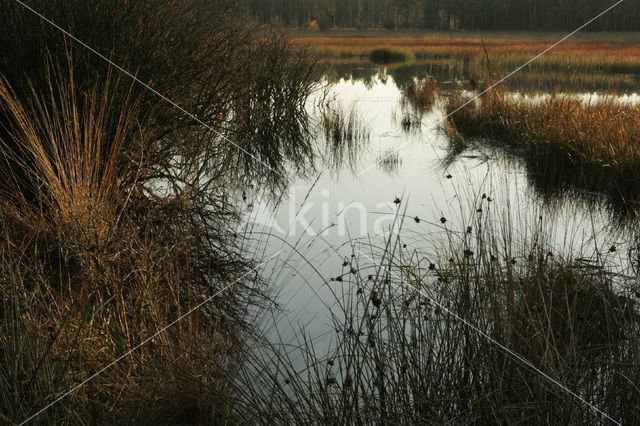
527	15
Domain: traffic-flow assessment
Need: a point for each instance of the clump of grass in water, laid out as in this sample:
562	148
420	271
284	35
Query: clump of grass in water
410	123
401	357
422	92
389	56
345	133
593	145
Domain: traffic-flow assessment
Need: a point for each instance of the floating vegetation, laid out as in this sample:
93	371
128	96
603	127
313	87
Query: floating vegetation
388	56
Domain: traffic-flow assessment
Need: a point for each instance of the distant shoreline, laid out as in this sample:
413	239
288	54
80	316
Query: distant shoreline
617	36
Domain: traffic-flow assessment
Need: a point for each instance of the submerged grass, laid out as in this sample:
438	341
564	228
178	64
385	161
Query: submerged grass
592	143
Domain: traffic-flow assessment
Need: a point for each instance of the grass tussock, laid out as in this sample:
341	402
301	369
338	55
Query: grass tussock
422	92
592	143
411	123
389	56
198	61
95	258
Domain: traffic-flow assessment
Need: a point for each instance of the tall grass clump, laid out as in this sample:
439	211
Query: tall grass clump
411	123
345	132
116	208
417	337
592	144
422	92
193	52
389	56
104	250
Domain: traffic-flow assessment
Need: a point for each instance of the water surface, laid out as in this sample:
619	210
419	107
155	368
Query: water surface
326	224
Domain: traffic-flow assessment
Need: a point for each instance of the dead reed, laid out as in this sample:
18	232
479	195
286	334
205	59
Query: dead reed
422	92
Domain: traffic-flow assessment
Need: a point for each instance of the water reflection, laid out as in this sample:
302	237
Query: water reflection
411	171
390	162
367	119
382	161
451	75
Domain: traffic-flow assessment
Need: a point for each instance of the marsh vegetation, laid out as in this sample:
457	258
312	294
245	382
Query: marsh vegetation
591	143
477	333
117	207
134	290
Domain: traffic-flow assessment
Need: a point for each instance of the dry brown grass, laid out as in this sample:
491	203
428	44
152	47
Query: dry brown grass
614	55
422	92
93	262
595	144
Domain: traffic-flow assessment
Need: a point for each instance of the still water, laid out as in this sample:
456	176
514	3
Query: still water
403	170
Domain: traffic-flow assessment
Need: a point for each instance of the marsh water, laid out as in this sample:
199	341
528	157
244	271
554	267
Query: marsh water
398	174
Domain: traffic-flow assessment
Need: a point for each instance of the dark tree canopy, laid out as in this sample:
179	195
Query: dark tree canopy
525	15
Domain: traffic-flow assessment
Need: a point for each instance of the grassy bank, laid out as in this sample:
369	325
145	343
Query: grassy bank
505	52
592	144
93	262
117	209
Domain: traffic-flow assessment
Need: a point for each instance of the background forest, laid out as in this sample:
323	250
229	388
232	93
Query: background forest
525	15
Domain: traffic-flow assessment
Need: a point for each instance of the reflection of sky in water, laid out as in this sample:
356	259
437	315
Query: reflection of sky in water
305	292
450	75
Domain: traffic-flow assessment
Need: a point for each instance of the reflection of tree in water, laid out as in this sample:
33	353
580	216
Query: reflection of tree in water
361	72
453	74
402	75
